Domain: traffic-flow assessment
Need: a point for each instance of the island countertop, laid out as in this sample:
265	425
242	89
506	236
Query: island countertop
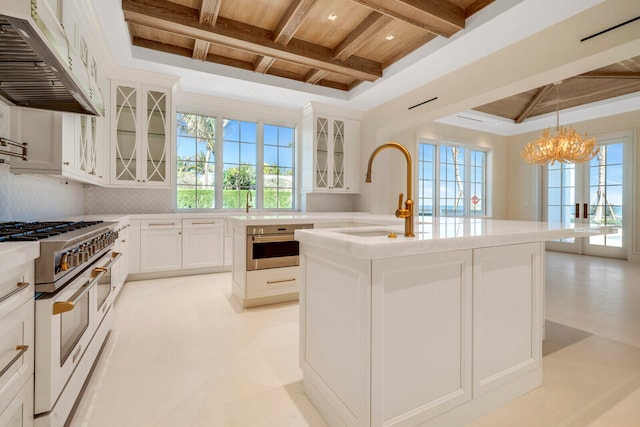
440	235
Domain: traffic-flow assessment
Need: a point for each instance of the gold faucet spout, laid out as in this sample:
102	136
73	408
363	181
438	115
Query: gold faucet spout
249	199
407	212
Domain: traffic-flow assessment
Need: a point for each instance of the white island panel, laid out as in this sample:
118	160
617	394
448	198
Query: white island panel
421	342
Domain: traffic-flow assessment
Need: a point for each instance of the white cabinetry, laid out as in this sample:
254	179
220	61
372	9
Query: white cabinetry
140	134
16	345
160	245
173	244
202	243
120	268
331	153
429	339
59	144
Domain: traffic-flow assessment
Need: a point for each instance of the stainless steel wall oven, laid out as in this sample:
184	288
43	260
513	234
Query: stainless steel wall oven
272	246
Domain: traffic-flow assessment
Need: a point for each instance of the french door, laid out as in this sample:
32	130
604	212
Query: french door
595	192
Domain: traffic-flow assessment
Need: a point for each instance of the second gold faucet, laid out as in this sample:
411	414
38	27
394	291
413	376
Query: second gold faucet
249	199
407	211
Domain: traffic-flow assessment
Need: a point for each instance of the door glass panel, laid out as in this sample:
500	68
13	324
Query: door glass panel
84	150
156	136
126	134
322	159
338	154
72	325
561	183
605	193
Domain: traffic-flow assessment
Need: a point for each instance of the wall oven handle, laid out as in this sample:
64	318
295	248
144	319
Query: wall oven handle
273	238
21	286
64	306
21	349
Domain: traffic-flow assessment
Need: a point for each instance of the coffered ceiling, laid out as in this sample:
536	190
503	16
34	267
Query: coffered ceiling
332	43
621	78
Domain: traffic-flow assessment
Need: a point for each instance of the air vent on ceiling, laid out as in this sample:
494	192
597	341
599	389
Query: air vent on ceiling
470	118
599	33
423	102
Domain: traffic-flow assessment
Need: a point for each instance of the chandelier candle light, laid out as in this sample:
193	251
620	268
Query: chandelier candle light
566	146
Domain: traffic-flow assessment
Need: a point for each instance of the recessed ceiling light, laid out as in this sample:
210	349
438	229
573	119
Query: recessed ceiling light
332	17
390	37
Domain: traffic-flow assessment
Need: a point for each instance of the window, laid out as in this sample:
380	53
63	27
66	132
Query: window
451	180
248	161
195	161
278	167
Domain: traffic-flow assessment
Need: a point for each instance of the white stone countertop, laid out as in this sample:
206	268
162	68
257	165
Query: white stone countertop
440	235
16	253
313	218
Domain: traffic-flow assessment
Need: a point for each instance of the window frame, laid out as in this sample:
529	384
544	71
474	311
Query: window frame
260	121
436	195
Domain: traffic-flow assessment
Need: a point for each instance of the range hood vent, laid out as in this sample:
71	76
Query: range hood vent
38	68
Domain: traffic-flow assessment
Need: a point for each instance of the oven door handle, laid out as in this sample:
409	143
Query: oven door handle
273	238
64	306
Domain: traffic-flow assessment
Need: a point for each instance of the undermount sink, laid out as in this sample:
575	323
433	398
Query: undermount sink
367	233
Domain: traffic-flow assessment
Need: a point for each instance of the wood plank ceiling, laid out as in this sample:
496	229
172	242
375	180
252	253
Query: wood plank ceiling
618	79
296	39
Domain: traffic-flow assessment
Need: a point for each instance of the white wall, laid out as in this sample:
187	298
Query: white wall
522	178
30	198
389	170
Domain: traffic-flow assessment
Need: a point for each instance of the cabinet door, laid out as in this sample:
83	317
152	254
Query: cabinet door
421	336
202	243
322	135
156	136
337	155
507	324
126	137
160	246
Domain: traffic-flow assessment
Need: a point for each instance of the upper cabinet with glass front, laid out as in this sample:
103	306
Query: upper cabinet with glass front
330	153
140	118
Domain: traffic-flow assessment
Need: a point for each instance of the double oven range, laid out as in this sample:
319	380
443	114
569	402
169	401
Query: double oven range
73	312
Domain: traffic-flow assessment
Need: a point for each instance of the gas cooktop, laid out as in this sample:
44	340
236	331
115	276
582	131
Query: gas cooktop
31	231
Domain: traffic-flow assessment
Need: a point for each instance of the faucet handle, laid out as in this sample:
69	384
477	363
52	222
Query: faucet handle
400	212
400	198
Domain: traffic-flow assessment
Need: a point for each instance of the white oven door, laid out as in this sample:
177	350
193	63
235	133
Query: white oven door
65	324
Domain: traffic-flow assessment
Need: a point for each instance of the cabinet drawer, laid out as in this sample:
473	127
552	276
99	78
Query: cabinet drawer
16	343
160	224
19	411
273	281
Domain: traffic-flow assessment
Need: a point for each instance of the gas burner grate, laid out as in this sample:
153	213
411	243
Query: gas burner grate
16	231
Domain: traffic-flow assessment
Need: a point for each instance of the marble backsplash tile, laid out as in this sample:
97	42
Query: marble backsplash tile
98	200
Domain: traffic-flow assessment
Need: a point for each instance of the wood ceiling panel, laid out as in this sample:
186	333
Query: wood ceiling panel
193	4
259	13
317	28
291	67
407	38
232	53
160	36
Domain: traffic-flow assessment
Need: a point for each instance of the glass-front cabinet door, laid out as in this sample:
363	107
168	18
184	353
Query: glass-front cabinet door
141	143
329	154
156	135
125	117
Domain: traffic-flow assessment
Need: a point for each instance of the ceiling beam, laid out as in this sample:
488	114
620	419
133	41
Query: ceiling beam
291	20
314	76
609	75
476	6
440	17
209	11
200	50
181	20
534	102
371	25
263	63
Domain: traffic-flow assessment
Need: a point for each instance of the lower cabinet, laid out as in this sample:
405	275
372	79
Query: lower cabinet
160	245
180	244
273	281
432	340
16	345
202	243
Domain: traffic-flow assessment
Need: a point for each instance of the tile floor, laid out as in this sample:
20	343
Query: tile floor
182	353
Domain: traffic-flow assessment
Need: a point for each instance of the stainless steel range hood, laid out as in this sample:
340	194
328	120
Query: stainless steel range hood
38	67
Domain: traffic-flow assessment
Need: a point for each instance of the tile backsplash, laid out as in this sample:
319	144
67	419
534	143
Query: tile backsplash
325	202
34	197
99	200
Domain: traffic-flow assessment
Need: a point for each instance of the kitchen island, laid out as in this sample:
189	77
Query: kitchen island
431	330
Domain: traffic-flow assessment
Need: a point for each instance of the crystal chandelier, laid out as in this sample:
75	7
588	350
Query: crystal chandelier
566	146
